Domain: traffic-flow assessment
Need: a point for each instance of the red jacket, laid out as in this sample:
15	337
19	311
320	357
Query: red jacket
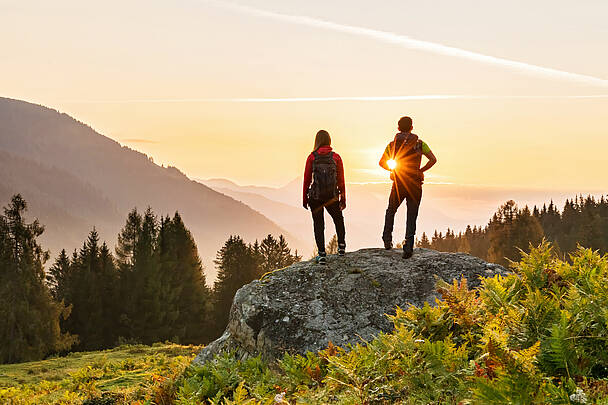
323	150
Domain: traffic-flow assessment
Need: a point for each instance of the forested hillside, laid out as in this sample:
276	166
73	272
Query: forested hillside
152	289
582	221
75	178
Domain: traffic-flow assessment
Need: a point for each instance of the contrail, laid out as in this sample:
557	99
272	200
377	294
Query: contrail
411	43
277	99
330	99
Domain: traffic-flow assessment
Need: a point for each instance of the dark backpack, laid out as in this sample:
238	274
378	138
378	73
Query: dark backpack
408	154
324	185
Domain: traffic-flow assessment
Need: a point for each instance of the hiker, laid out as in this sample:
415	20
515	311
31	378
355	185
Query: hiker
402	157
324	190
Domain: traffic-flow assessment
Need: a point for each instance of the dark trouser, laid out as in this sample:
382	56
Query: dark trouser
333	208
412	194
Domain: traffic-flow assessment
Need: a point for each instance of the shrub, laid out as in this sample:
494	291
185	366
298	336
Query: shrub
536	335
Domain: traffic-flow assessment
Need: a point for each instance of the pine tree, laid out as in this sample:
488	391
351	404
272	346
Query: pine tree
527	231
424	242
464	244
286	258
268	253
570	217
109	287
182	269
83	295
29	317
275	254
127	240
550	221
450	242
512	229
146	315
237	265
89	284
588	230
499	230
59	275
480	242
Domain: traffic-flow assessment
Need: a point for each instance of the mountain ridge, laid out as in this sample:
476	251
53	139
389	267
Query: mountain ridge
84	165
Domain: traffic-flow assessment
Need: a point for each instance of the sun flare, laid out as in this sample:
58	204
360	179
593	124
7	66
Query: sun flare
391	164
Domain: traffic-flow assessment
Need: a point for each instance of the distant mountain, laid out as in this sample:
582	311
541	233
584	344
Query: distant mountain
443	205
289	194
293	219
75	178
219	183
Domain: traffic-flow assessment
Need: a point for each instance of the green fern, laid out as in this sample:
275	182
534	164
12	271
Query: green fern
523	338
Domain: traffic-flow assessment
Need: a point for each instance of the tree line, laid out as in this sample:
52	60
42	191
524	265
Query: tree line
583	220
151	289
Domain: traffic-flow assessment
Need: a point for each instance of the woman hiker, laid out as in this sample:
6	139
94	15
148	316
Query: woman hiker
324	189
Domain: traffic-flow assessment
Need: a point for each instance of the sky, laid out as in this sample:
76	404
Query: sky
506	94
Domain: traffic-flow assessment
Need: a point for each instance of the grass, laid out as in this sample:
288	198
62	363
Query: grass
127	373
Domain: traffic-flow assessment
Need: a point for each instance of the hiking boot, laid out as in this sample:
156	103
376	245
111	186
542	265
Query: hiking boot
341	250
388	245
408	248
321	258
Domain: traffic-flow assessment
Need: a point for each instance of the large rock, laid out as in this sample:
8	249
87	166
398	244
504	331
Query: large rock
305	306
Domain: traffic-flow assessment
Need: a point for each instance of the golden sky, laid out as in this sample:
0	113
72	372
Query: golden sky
238	90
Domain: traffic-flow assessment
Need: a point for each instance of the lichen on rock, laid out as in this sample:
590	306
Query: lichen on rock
305	306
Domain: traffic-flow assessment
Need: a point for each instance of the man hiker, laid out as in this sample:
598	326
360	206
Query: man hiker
402	157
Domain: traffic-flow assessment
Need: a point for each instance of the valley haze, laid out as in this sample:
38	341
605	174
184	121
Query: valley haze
443	206
75	179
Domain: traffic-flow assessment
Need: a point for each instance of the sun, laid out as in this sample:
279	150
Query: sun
391	164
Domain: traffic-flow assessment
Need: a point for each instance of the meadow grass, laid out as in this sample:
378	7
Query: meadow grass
129	374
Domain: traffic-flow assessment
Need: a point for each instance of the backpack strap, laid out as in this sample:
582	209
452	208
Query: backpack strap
315	154
396	148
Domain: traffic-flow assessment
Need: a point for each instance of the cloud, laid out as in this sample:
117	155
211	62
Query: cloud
412	43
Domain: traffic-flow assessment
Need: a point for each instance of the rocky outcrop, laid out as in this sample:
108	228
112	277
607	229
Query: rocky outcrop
305	306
